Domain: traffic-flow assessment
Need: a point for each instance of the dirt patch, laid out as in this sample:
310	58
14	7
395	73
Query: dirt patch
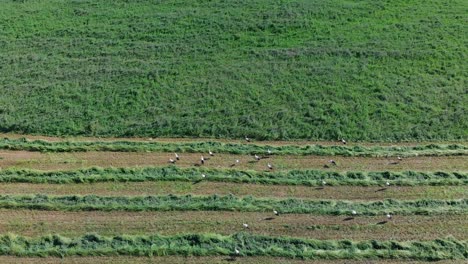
75	160
209	188
34	223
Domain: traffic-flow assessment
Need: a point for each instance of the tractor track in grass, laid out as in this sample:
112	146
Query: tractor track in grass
359	193
401	228
77	160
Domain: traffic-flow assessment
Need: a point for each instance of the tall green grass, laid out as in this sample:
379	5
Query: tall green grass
312	69
214	245
230	203
293	177
234	148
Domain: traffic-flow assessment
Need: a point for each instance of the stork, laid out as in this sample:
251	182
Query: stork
202	160
236	251
247	139
389	216
324	182
177	156
343	141
211	153
332	162
270	167
203	175
245	225
172	161
257	157
353	212
269	152
399	158
276	212
387	183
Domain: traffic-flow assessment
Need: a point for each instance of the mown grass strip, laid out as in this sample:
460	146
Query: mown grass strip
233	148
230	203
292	177
215	244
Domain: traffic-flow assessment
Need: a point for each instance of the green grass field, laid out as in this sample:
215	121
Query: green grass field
302	69
109	107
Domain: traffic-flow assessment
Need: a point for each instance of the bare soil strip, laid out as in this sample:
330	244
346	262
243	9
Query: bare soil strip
198	260
240	189
418	227
76	160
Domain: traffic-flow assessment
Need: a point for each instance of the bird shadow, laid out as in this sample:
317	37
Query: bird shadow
319	188
269	218
348	219
196	182
394	163
196	165
382	223
253	161
230	259
381	190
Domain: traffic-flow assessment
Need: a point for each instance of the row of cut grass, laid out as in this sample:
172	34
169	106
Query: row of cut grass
231	203
234	148
246	244
292	177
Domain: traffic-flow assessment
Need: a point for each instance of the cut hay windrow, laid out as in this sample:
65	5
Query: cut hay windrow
234	148
292	177
232	203
236	245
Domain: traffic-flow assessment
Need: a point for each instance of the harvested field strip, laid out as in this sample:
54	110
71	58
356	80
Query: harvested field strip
215	244
230	203
232	148
239	189
400	227
195	175
81	160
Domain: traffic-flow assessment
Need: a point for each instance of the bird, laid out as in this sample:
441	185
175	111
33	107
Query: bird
276	212
245	225
269	152
172	161
235	163
211	153
202	160
387	183
389	216
332	162
343	141
203	175
177	156
247	139
270	166
324	182
257	157
353	212
236	251
399	158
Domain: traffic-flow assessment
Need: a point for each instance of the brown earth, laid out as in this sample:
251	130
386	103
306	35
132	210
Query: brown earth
75	160
415	227
238	189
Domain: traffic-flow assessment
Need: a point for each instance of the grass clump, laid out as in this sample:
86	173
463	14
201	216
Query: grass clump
231	203
214	244
233	148
292	177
